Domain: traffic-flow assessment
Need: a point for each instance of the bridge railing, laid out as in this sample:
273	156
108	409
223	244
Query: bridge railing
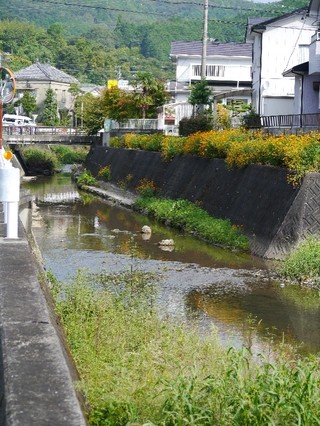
40	130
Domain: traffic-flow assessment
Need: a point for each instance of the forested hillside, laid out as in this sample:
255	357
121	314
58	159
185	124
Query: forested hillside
107	39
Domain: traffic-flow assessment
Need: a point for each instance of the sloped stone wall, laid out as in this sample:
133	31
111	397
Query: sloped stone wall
273	213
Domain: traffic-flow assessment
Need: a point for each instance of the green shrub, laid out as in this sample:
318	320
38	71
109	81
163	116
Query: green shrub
70	155
86	178
200	123
41	159
185	215
251	119
303	263
117	142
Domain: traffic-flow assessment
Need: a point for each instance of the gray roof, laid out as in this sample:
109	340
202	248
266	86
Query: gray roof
213	48
262	22
44	72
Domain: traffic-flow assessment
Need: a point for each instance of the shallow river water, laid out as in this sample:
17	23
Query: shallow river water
218	289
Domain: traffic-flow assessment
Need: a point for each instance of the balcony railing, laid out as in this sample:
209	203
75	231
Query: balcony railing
303	121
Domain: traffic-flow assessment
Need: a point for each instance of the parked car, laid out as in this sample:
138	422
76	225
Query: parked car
17	120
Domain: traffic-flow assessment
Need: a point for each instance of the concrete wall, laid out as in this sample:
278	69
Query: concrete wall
273	213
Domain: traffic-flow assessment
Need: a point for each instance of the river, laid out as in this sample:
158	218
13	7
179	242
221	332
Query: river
217	289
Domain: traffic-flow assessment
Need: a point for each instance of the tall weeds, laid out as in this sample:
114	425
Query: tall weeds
138	368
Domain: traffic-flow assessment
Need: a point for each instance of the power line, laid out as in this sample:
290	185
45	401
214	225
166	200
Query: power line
97	7
193	3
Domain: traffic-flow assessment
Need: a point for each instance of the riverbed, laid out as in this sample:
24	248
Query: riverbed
228	292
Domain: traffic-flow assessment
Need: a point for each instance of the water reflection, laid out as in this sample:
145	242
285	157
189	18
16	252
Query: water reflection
216	287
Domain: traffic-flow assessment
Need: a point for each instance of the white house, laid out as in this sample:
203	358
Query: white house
228	69
307	73
278	44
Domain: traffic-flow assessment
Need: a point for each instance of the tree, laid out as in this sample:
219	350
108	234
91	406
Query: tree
91	109
200	95
149	94
28	103
49	115
119	105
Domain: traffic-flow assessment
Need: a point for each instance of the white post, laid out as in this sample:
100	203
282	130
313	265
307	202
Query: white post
5	212
12	224
9	194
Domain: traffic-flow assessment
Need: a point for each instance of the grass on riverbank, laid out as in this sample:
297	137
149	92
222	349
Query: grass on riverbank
135	367
183	214
303	263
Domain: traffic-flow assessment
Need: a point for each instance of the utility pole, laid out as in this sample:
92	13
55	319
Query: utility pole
204	41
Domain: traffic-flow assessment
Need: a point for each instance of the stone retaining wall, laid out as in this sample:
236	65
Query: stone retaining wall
273	213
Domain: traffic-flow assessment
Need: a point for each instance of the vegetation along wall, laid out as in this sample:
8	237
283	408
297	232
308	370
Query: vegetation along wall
274	213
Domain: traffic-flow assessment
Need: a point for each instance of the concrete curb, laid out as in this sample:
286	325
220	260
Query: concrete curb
37	383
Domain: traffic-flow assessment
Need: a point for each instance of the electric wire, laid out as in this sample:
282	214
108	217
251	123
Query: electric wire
192	3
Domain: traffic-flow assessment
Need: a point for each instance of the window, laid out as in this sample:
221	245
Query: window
211	70
196	70
215	70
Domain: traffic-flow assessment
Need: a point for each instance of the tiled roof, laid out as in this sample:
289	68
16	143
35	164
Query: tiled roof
44	72
213	48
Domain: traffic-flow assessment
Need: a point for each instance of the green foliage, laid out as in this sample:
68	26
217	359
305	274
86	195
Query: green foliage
49	116
251	119
95	43
86	178
183	214
199	123
118	105
222	118
92	112
41	159
136	367
28	103
70	155
303	264
201	93
149	95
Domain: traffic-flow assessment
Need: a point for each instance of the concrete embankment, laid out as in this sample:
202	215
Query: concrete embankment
37	376
274	214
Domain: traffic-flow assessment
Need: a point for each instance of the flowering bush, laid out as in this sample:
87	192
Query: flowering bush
105	173
172	146
299	154
146	187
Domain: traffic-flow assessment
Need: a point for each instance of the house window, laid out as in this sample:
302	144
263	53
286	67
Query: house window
196	70
211	70
215	70
63	98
